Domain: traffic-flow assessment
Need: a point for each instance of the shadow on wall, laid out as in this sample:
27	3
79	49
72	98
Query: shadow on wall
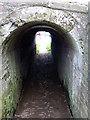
18	53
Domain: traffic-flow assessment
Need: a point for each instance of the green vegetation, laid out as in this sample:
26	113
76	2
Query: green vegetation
48	47
10	9
37	46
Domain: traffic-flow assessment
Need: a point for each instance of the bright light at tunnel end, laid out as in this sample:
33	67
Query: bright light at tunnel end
43	42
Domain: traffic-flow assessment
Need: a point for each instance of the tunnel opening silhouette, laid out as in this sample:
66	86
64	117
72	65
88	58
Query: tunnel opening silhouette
21	50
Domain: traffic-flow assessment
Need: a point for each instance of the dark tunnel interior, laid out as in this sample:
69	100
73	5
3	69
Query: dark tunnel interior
25	48
22	46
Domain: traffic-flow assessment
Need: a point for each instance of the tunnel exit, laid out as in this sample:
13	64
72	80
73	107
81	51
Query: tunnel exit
43	42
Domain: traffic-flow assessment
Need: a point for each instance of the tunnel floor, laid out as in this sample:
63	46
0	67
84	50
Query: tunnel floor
42	95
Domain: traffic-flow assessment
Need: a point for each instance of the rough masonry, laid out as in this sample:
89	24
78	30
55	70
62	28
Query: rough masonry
69	22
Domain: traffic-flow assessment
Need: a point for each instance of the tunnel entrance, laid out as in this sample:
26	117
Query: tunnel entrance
41	74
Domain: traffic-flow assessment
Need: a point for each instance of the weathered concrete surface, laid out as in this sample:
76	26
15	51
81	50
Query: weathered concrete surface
74	21
89	59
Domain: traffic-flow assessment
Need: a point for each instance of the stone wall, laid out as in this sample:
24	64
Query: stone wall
71	72
74	21
14	71
11	83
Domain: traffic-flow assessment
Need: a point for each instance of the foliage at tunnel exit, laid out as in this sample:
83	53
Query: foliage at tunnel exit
37	46
48	47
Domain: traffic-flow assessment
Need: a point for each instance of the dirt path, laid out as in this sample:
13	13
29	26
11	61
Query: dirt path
43	96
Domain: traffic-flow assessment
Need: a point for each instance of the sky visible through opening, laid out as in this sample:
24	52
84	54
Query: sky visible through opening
43	42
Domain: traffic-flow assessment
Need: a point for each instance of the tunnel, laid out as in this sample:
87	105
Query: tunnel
20	50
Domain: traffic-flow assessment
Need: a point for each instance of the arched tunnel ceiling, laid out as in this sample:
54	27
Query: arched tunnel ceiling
29	30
